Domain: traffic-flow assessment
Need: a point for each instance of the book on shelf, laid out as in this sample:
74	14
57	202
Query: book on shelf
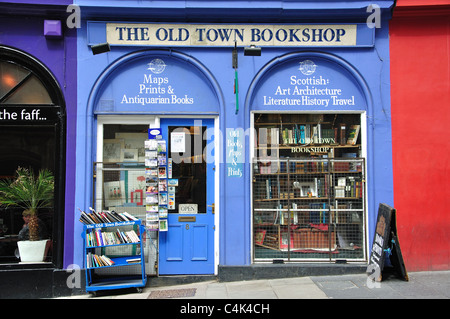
268	136
321	187
353	133
302	134
97	237
352	165
343	213
259	236
318	213
133	260
93	260
343	133
348	187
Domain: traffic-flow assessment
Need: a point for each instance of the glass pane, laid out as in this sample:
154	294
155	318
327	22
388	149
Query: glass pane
188	165
124	143
121	176
32	91
308	187
11	74
30	147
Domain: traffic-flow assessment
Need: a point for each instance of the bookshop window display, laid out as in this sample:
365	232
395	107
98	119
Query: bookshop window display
120	176
308	185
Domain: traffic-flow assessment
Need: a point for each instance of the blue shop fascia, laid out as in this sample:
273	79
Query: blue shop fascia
276	119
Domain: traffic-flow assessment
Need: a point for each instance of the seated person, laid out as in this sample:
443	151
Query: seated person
24	233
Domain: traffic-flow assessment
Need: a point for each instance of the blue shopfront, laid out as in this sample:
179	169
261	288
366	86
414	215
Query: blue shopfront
278	133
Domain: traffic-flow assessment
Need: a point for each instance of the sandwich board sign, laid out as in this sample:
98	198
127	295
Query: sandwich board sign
386	245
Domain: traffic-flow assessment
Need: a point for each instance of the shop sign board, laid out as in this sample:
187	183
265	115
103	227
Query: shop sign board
227	35
309	83
149	83
385	245
235	152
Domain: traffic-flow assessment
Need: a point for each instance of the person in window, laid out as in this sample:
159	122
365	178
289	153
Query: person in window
24	233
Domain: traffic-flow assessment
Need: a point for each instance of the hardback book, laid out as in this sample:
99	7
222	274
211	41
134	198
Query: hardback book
353	133
343	133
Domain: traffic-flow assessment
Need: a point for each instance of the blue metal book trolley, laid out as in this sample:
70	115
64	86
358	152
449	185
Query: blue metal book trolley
109	245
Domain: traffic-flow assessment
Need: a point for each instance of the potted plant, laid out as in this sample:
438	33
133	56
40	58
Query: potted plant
30	192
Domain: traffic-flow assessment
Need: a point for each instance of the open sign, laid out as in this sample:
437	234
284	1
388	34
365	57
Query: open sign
188	208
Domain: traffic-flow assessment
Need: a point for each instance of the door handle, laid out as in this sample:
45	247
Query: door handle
213	206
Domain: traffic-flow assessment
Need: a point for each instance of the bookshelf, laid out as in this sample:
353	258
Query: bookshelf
308	187
310	206
109	244
305	135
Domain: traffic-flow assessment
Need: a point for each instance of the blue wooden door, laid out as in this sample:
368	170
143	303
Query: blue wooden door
188	245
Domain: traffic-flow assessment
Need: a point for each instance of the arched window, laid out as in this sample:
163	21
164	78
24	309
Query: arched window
32	135
20	86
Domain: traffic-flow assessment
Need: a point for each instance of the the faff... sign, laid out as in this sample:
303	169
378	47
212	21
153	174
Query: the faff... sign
228	35
29	114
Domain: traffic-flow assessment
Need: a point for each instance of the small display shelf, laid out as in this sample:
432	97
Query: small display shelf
98	238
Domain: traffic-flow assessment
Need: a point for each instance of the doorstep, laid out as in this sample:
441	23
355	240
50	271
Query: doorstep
288	270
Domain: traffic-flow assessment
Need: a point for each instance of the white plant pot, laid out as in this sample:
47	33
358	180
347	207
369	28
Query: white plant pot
32	251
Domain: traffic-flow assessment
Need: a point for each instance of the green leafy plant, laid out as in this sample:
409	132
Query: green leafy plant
30	192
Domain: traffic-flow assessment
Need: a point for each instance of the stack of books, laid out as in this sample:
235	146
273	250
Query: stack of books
97	237
94	260
104	217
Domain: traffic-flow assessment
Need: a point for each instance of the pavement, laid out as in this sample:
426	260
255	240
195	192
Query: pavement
421	285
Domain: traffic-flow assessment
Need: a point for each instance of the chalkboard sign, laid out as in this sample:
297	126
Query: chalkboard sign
386	244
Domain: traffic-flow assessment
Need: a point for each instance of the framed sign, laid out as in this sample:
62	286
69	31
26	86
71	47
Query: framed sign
188	208
178	142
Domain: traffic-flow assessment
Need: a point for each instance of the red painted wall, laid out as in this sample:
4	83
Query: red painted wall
420	108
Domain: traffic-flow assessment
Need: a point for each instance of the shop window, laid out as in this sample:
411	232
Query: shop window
308	187
122	171
120	176
119	180
30	119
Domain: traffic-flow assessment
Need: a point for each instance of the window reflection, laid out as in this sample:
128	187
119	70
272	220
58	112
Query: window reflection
189	167
11	74
20	86
32	146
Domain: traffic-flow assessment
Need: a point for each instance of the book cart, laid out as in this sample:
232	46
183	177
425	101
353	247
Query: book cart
117	237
